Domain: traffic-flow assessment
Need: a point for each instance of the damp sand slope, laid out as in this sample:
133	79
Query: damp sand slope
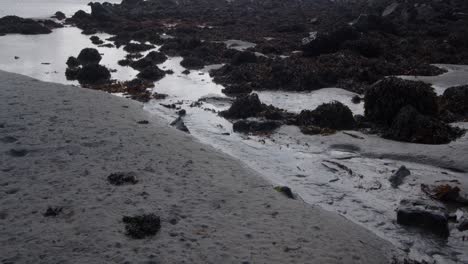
58	144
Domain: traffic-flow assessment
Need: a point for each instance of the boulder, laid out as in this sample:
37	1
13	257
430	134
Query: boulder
286	191
244	57
248	126
425	215
59	15
334	115
137	47
329	42
89	56
244	107
454	103
411	126
73	62
397	178
384	100
152	73
100	12
93	74
180	125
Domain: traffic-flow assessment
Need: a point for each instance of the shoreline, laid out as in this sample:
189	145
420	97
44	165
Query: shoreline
73	138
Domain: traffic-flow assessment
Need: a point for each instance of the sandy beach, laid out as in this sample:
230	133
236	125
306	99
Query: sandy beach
59	144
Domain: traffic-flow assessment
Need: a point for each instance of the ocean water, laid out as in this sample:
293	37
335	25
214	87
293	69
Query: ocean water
308	164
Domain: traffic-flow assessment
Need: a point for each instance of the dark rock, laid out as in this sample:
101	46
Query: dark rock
18	153
423	215
454	103
356	99
53	211
143	122
93	74
192	63
329	42
366	46
315	130
411	126
152	73
72	73
122	178
244	57
96	40
244	107
137	47
186	72
80	15
384	100
100	12
142	226
180	125
89	56
366	22
237	89
73	62
18	25
156	57
59	15
334	115
286	191
182	112
247	126
397	178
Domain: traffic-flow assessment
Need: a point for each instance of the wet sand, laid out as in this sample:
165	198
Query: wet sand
59	143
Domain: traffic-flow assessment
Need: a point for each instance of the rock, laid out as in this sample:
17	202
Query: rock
369	22
463	226
397	178
411	126
73	62
152	73
81	15
421	214
93	74
53	211
286	191
384	100
315	130
100	12
156	57
329	42
137	47
356	99
18	25
122	178
96	40
59	15
143	122
142	226
247	126
444	193
180	125
89	56
72	73
182	112
366	46
454	104
192	63
334	115
244	57
244	107
237	89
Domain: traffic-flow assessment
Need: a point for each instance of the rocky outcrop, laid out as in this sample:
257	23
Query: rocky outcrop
89	56
334	115
152	73
244	107
18	25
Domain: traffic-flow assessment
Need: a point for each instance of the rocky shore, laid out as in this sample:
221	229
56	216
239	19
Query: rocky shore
90	177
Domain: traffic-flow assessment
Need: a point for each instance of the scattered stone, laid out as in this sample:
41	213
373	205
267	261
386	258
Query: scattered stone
397	178
142	226
53	211
286	191
122	178
96	40
423	215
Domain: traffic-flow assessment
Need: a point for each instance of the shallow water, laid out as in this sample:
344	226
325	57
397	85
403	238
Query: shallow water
308	164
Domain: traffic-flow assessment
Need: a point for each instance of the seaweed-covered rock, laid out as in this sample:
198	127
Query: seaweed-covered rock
96	40
93	74
59	15
122	178
244	57
137	47
192	63
454	103
236	89
248	126
80	15
18	25
334	115
411	126
73	62
329	42
89	56
156	57
142	226
383	101
397	178
100	12
431	217
72	73
244	106
152	73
